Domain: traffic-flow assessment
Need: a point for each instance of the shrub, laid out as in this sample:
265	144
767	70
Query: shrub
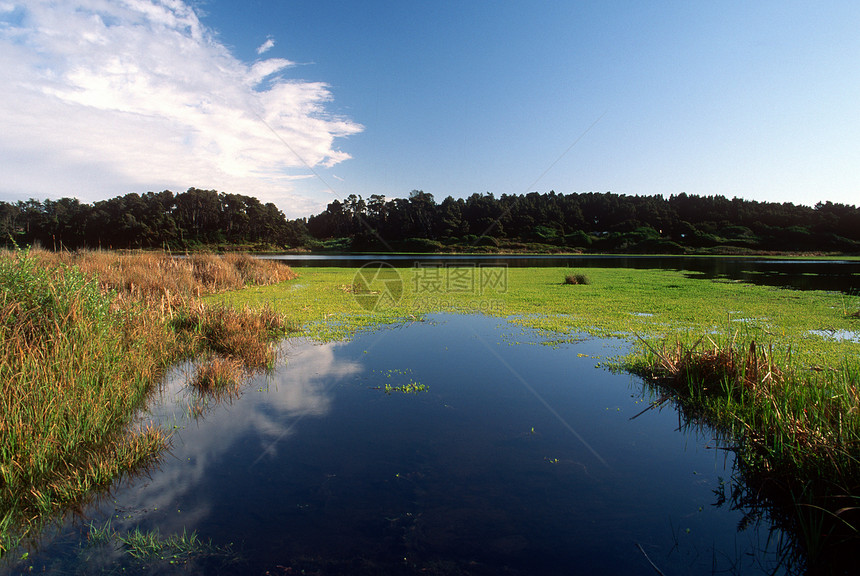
573	279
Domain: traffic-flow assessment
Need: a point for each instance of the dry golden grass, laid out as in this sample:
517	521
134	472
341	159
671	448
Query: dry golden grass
242	334
219	375
84	336
714	365
148	275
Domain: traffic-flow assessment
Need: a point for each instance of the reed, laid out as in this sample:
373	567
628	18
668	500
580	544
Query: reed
159	274
84	338
794	427
219	376
792	420
242	334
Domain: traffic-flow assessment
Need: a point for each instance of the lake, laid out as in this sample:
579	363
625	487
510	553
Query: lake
516	458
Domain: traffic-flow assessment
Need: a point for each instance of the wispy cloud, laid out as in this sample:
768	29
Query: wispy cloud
102	98
266	46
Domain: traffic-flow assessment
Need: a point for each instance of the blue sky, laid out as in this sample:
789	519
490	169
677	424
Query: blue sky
300	102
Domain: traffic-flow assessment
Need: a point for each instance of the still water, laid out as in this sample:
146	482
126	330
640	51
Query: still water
800	274
518	458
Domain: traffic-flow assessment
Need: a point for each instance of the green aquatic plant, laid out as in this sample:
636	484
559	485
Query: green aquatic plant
142	544
619	302
410	388
99	535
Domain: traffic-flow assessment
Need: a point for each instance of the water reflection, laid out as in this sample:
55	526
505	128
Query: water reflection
519	459
256	425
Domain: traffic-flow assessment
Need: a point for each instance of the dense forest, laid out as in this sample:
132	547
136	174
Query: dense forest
590	222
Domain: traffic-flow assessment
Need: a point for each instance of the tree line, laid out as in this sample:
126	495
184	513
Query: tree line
594	222
590	222
150	220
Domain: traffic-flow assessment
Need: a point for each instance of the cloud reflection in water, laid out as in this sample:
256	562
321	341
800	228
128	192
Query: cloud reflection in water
270	410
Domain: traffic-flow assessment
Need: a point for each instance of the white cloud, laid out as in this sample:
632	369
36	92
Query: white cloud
266	46
107	97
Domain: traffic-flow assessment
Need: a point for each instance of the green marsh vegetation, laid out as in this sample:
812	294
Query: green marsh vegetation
85	338
105	549
793	425
618	302
151	546
775	372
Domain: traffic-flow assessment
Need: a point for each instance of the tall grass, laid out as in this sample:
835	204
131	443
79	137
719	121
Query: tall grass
84	338
160	275
795	429
792	418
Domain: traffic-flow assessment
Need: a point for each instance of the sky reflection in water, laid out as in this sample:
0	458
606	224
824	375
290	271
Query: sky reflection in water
518	457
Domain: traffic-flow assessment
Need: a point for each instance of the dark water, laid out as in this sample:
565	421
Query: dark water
519	458
833	275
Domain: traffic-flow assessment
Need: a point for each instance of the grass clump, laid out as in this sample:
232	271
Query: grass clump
84	339
152	547
145	544
795	431
576	279
789	420
219	375
242	334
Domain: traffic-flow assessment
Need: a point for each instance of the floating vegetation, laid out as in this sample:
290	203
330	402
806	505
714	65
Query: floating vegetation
410	387
152	546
